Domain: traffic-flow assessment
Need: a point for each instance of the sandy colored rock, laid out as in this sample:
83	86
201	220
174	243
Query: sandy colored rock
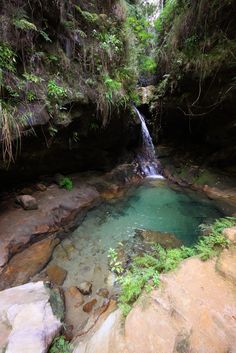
85	288
88	307
167	240
28	202
73	301
225	264
230	233
26	314
56	274
194	310
26	264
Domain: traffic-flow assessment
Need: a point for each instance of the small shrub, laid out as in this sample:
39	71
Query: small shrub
24	24
66	183
55	91
7	58
114	264
60	345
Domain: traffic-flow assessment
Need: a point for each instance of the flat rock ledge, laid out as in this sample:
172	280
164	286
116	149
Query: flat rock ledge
193	310
27	323
58	211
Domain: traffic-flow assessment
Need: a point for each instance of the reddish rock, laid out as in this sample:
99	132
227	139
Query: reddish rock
58	209
26	264
56	274
88	307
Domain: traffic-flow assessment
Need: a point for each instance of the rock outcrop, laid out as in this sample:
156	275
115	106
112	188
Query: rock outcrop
27	323
194	310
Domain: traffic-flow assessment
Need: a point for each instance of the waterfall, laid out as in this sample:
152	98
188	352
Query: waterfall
147	156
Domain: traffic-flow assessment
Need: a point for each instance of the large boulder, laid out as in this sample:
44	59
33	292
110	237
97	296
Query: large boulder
27	323
23	266
181	316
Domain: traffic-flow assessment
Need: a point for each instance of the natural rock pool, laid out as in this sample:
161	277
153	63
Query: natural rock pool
155	205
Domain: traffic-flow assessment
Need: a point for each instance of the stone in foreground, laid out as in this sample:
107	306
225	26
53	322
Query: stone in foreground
85	288
28	202
194	310
27	323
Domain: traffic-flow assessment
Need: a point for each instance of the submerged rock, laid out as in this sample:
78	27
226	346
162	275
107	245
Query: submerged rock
103	292
85	288
167	240
27	323
88	307
56	274
28	202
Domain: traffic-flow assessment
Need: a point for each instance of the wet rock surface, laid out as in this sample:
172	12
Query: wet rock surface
56	274
26	264
58	211
26	319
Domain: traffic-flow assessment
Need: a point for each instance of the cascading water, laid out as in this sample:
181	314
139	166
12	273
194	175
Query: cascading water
147	156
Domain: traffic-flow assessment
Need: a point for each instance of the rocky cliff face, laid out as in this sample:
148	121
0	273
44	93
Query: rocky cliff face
65	82
194	101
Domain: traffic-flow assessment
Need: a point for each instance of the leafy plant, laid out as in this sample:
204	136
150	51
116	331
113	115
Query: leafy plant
144	270
55	91
7	58
114	264
24	24
32	77
30	95
112	87
45	36
66	183
60	345
148	65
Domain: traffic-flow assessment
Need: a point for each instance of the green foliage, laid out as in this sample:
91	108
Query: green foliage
144	270
66	183
45	36
7	58
24	24
55	91
210	245
32	77
60	345
148	65
166	15
31	95
109	42
114	264
87	16
112	87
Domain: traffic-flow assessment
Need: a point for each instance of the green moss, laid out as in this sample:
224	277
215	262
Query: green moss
206	178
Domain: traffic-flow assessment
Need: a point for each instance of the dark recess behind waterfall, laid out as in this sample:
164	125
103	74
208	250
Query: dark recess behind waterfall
97	149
